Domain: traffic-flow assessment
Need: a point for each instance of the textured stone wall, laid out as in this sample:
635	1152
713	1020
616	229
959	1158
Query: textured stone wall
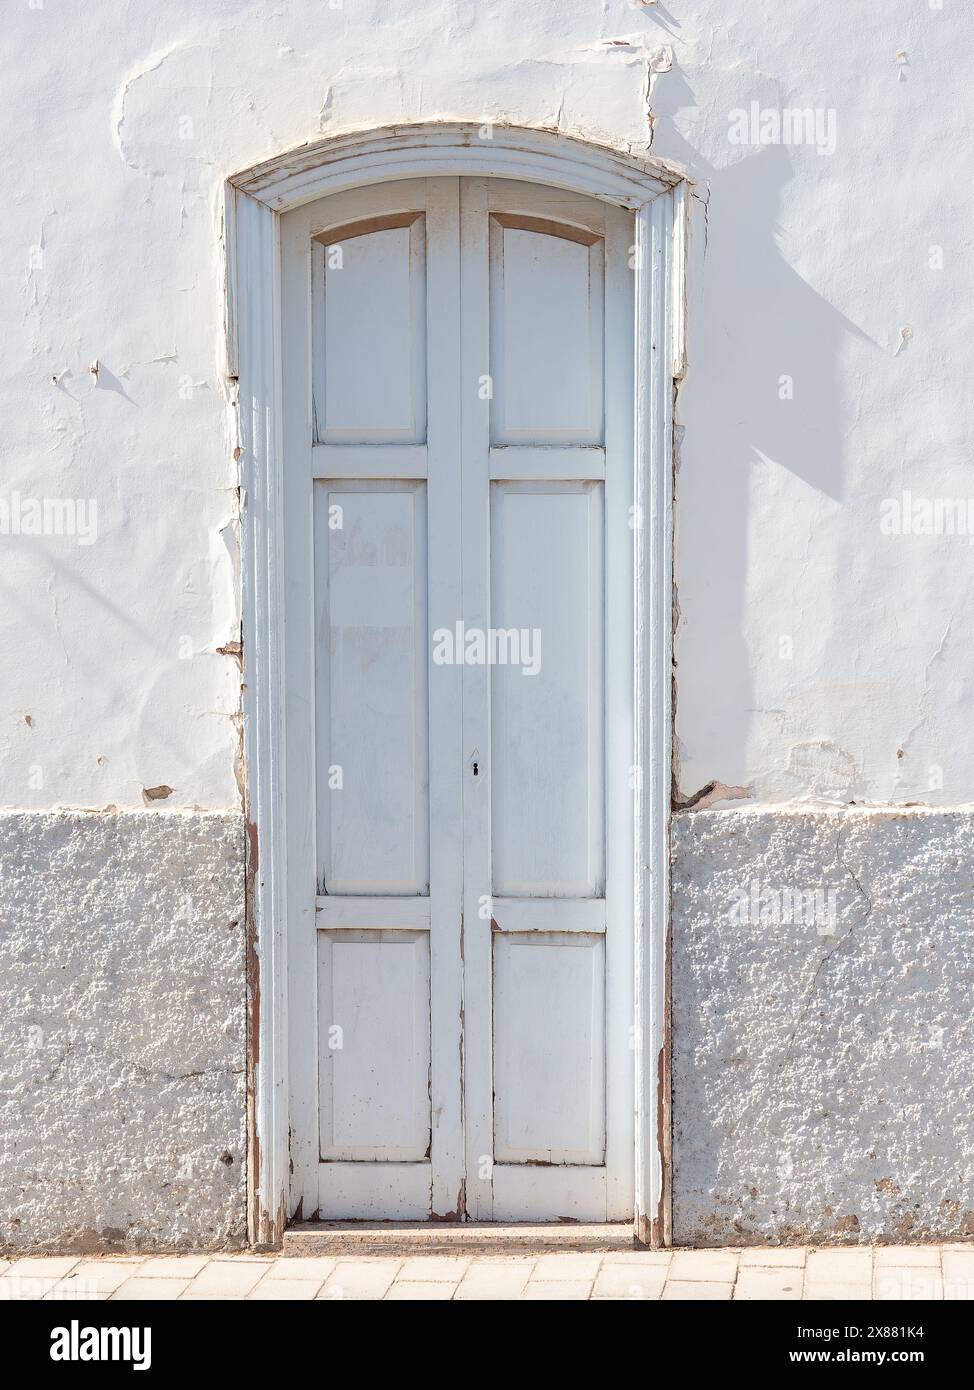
122	1031
823	1029
823	1082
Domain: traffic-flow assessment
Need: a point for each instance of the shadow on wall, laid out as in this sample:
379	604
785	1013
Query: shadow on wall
763	385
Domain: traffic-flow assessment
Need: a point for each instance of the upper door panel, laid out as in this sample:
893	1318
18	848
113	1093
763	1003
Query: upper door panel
546	324
369	331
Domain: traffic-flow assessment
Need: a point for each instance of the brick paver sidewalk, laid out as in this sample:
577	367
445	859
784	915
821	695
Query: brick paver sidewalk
880	1272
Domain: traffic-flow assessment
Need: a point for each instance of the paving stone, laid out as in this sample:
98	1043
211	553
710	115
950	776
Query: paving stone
958	1266
825	1291
709	1266
519	1259
360	1279
660	1258
191	1297
231	1277
423	1290
773	1256
80	1292
174	1266
303	1268
775	1282
449	1269
91	1277
494	1279
696	1288
839	1266
551	1289
43	1266
139	1289
637	1281
912	1255
920	1282
237	1261
269	1290
14	1288
570	1266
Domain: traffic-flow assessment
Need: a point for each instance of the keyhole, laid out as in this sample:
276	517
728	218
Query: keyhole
476	769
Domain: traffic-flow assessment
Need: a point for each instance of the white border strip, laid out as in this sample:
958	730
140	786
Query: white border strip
654	607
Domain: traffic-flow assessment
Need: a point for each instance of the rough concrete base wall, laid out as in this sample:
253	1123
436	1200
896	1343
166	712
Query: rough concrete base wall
122	1031
823	1077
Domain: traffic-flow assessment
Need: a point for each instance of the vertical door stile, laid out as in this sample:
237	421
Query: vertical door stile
299	649
620	731
477	908
445	740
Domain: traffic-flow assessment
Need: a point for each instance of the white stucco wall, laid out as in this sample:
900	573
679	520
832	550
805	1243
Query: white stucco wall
121	122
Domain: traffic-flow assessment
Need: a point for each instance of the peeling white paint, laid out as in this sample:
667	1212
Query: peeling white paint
800	266
141	70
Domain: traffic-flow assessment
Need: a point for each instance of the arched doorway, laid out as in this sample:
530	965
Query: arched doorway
454	355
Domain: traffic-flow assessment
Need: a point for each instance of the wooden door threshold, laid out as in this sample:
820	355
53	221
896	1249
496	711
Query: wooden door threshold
452	1238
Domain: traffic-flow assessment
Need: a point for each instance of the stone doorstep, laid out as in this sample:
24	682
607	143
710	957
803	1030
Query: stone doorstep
343	1238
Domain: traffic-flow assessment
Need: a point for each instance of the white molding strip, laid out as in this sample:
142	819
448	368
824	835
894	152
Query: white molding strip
257	318
372	914
549	915
423	151
654	606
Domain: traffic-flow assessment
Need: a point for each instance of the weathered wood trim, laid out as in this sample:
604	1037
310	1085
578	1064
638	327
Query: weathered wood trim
520	222
257	318
423	151
348	231
654	607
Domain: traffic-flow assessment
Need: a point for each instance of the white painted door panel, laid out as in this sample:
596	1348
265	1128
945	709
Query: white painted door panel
549	1048
546	714
370	327
457	434
546	361
374	1046
372	708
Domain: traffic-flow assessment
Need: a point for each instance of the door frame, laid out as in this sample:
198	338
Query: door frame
255	199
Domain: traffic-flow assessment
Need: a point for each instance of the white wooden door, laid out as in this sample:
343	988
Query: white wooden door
459	637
